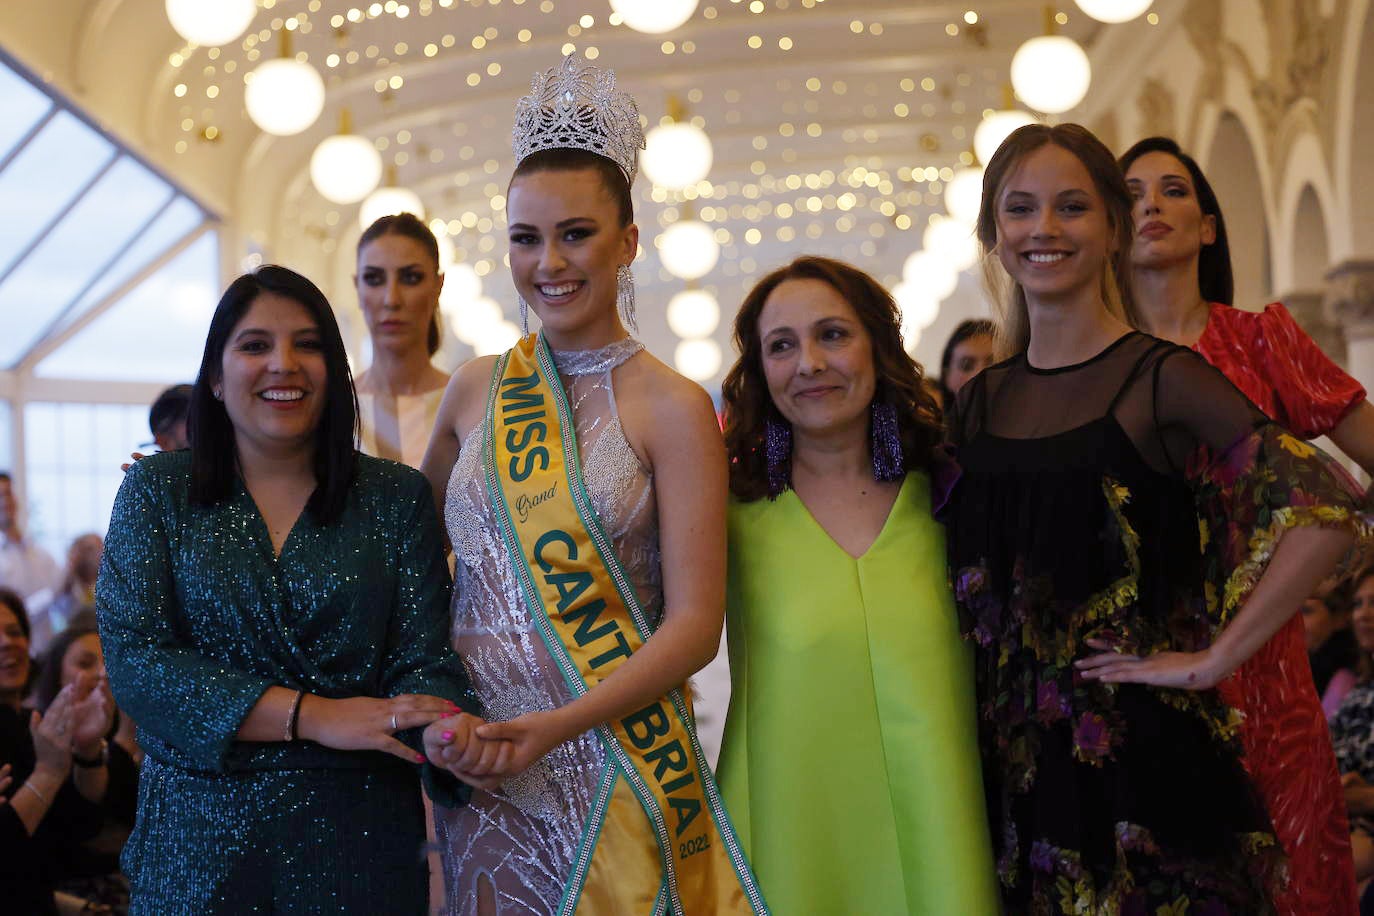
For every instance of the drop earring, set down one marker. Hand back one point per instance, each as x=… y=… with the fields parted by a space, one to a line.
x=886 y=443
x=777 y=437
x=625 y=297
x=524 y=315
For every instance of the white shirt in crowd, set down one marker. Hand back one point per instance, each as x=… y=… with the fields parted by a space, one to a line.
x=28 y=569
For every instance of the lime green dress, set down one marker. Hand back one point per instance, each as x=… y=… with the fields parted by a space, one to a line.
x=850 y=760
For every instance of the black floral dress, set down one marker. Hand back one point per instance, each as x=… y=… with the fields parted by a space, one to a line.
x=1134 y=498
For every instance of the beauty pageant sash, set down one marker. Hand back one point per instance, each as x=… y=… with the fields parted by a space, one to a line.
x=686 y=859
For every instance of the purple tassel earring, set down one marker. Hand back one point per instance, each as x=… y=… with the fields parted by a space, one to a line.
x=778 y=453
x=887 y=444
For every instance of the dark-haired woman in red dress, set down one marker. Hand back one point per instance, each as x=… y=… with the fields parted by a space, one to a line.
x=1183 y=289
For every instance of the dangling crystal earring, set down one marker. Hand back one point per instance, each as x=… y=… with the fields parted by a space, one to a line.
x=524 y=315
x=778 y=454
x=625 y=297
x=886 y=443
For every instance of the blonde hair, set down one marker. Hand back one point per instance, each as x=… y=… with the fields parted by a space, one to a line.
x=1009 y=299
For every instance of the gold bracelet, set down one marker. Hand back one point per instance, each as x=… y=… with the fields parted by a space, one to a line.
x=41 y=797
x=289 y=734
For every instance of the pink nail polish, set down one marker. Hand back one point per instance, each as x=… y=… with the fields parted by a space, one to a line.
x=448 y=736
x=419 y=758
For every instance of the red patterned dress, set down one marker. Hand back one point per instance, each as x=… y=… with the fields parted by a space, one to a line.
x=1287 y=746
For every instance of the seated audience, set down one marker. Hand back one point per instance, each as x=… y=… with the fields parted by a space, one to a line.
x=74 y=603
x=1331 y=648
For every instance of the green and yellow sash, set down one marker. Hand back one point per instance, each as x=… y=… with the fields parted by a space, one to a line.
x=686 y=859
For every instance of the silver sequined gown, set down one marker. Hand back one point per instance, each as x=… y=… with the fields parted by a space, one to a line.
x=524 y=838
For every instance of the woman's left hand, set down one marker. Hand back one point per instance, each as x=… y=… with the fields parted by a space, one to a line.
x=525 y=739
x=1184 y=670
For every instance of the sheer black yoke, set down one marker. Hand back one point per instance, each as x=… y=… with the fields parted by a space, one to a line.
x=1165 y=398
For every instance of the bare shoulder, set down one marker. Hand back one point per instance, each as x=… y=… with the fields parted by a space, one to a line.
x=646 y=383
x=466 y=396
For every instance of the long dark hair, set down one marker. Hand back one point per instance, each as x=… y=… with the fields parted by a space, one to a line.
x=49 y=682
x=409 y=226
x=1115 y=287
x=968 y=328
x=1214 y=278
x=575 y=160
x=214 y=458
x=900 y=379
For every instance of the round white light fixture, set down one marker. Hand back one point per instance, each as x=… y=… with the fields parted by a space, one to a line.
x=676 y=155
x=929 y=275
x=995 y=128
x=211 y=23
x=688 y=249
x=693 y=313
x=919 y=311
x=389 y=202
x=654 y=16
x=1114 y=10
x=471 y=318
x=345 y=168
x=447 y=252
x=461 y=284
x=952 y=241
x=497 y=338
x=284 y=96
x=964 y=195
x=699 y=360
x=1051 y=73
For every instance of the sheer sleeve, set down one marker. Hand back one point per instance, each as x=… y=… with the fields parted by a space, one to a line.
x=1251 y=480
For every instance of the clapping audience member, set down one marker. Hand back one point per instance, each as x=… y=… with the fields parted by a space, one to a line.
x=89 y=869
x=56 y=764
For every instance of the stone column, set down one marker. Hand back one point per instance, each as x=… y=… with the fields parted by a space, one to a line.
x=1307 y=307
x=1350 y=304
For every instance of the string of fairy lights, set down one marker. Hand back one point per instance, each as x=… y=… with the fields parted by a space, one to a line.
x=293 y=59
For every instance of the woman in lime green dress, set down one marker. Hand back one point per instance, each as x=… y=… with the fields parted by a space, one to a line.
x=850 y=762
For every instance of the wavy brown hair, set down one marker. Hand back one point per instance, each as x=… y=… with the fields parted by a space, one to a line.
x=1008 y=296
x=900 y=379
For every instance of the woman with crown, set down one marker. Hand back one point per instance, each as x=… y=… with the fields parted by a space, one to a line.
x=584 y=487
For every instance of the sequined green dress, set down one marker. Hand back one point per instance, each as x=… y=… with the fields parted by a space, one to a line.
x=198 y=618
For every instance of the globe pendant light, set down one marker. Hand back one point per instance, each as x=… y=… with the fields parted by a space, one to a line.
x=284 y=96
x=1113 y=11
x=1051 y=73
x=952 y=241
x=688 y=249
x=964 y=195
x=345 y=168
x=389 y=200
x=699 y=360
x=211 y=23
x=930 y=275
x=654 y=16
x=693 y=313
x=995 y=128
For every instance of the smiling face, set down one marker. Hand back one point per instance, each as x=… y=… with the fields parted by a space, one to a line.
x=1170 y=227
x=273 y=376
x=1053 y=234
x=14 y=656
x=817 y=358
x=566 y=243
x=83 y=656
x=398 y=288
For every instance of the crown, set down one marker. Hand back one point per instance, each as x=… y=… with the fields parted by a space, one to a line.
x=578 y=106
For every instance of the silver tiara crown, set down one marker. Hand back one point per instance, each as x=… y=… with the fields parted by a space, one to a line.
x=577 y=106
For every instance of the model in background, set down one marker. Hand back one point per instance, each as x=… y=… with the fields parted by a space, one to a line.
x=968 y=351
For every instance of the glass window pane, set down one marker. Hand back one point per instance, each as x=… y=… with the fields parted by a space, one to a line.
x=154 y=334
x=91 y=232
x=44 y=179
x=73 y=454
x=21 y=105
x=6 y=447
x=176 y=221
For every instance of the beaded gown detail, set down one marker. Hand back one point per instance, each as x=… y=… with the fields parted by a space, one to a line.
x=522 y=840
x=1287 y=745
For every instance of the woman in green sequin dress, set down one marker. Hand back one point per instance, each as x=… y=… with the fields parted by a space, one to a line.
x=274 y=611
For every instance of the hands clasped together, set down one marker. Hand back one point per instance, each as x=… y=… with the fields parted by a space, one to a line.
x=485 y=754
